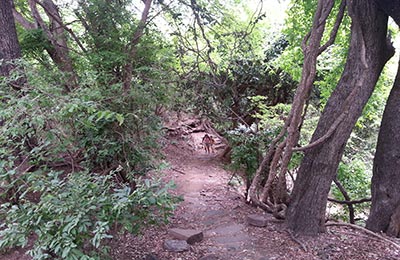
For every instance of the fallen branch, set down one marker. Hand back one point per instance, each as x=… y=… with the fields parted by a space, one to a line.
x=369 y=232
x=181 y=172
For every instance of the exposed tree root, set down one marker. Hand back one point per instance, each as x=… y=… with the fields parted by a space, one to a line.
x=296 y=240
x=369 y=232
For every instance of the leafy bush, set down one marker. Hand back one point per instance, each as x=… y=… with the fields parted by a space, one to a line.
x=245 y=152
x=77 y=209
x=355 y=179
x=248 y=145
x=250 y=142
x=72 y=165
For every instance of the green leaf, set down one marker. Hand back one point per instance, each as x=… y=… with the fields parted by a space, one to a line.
x=120 y=118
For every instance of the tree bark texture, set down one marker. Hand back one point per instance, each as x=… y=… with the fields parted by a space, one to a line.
x=391 y=8
x=368 y=53
x=9 y=46
x=386 y=175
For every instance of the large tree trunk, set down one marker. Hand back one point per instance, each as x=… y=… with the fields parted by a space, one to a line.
x=385 y=210
x=368 y=53
x=386 y=174
x=9 y=51
x=9 y=46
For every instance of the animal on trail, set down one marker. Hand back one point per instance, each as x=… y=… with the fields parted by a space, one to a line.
x=208 y=143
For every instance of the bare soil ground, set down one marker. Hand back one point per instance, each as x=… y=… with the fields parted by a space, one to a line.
x=220 y=211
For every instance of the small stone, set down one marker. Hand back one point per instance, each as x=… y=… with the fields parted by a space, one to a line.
x=257 y=220
x=191 y=236
x=151 y=257
x=209 y=257
x=176 y=245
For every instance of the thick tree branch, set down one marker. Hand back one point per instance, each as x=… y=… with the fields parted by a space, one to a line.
x=323 y=138
x=23 y=21
x=349 y=202
x=47 y=9
x=335 y=28
x=132 y=48
x=350 y=98
x=40 y=22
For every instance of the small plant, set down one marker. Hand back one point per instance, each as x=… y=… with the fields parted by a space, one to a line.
x=247 y=148
x=357 y=183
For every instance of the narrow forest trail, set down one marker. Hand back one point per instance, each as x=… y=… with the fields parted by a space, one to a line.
x=210 y=204
x=219 y=210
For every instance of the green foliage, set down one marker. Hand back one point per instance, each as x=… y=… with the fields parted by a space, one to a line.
x=246 y=150
x=62 y=158
x=79 y=208
x=269 y=116
x=109 y=28
x=33 y=42
x=249 y=143
x=356 y=180
x=222 y=57
x=330 y=63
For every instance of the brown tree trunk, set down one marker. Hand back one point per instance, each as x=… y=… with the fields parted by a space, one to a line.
x=368 y=53
x=9 y=51
x=385 y=210
x=133 y=46
x=9 y=46
x=394 y=225
x=386 y=175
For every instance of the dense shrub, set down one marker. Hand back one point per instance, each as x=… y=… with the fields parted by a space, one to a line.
x=73 y=165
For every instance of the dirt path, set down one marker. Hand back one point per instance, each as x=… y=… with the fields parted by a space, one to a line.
x=210 y=204
x=218 y=210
